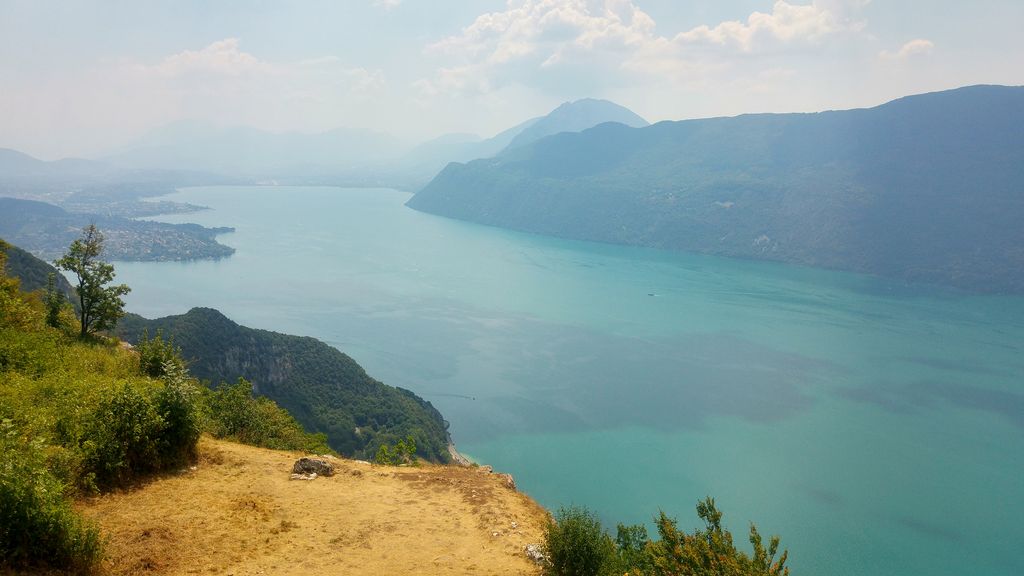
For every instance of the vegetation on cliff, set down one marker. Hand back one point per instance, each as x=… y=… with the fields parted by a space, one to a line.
x=34 y=273
x=326 y=390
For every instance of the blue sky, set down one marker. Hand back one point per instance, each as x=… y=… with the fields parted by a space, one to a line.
x=83 y=78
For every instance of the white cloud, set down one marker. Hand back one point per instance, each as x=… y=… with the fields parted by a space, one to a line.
x=786 y=23
x=221 y=57
x=616 y=40
x=916 y=47
x=387 y=4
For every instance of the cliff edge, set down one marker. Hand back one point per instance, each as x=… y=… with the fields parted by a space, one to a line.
x=238 y=512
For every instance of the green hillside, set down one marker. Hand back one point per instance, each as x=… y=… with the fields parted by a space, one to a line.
x=323 y=388
x=33 y=272
x=927 y=188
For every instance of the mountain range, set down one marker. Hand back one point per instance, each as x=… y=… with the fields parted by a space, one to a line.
x=927 y=188
x=419 y=165
x=193 y=153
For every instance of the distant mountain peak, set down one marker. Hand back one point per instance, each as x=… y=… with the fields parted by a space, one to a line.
x=576 y=116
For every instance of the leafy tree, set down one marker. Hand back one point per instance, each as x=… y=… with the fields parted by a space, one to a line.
x=632 y=544
x=54 y=301
x=100 y=305
x=711 y=552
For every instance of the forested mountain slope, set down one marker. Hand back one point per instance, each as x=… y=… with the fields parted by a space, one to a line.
x=33 y=273
x=928 y=188
x=323 y=388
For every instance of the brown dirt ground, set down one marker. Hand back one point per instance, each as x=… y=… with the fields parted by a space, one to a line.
x=239 y=513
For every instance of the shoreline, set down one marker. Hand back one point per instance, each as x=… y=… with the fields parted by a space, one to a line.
x=457 y=457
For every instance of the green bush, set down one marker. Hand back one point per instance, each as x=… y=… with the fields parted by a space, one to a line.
x=177 y=404
x=38 y=527
x=157 y=356
x=577 y=545
x=123 y=438
x=403 y=452
x=234 y=413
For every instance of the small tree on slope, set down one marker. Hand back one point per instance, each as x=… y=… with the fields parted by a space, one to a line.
x=100 y=305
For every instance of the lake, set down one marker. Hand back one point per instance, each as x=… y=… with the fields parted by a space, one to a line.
x=877 y=428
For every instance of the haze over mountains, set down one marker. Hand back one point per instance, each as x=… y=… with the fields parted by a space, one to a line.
x=184 y=151
x=190 y=153
x=420 y=164
x=927 y=188
x=249 y=152
x=18 y=166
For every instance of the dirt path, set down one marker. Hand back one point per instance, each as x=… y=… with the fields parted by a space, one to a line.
x=239 y=513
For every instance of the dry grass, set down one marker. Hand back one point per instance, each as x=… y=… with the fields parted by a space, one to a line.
x=239 y=513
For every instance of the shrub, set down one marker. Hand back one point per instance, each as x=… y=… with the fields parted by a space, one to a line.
x=135 y=430
x=31 y=353
x=38 y=526
x=157 y=356
x=178 y=406
x=123 y=437
x=403 y=452
x=577 y=545
x=235 y=413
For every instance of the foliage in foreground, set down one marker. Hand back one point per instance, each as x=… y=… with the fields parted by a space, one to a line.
x=577 y=545
x=37 y=524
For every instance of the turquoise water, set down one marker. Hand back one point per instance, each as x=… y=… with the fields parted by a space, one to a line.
x=878 y=428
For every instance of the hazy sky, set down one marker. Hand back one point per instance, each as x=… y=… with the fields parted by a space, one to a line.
x=80 y=78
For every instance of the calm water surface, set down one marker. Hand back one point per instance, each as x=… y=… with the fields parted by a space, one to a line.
x=879 y=429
